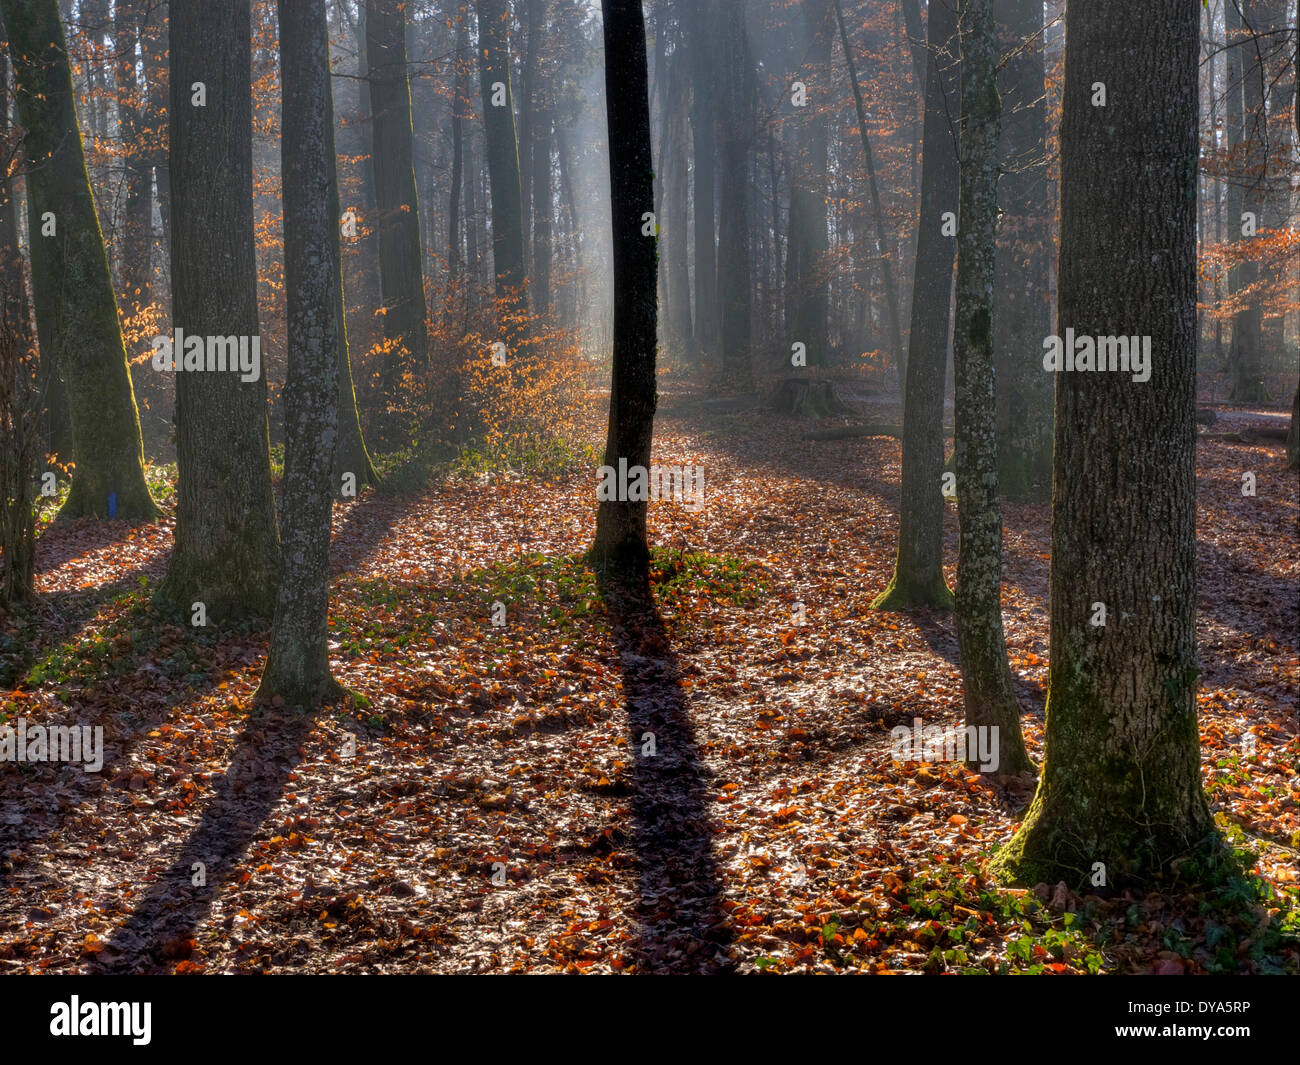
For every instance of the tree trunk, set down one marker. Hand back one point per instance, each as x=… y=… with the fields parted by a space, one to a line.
x=886 y=270
x=702 y=50
x=1120 y=792
x=226 y=549
x=806 y=273
x=401 y=267
x=502 y=151
x=135 y=239
x=987 y=684
x=542 y=196
x=735 y=94
x=1247 y=323
x=153 y=52
x=459 y=113
x=673 y=161
x=918 y=571
x=76 y=310
x=621 y=523
x=297 y=664
x=1024 y=407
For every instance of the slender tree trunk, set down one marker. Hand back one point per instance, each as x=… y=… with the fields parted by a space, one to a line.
x=734 y=286
x=153 y=51
x=226 y=552
x=885 y=245
x=702 y=52
x=987 y=684
x=297 y=664
x=676 y=211
x=1248 y=373
x=918 y=579
x=1024 y=414
x=535 y=21
x=401 y=266
x=542 y=196
x=806 y=273
x=135 y=239
x=1120 y=792
x=76 y=310
x=459 y=113
x=502 y=150
x=621 y=524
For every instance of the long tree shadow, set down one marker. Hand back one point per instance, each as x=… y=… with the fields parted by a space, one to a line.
x=159 y=929
x=682 y=925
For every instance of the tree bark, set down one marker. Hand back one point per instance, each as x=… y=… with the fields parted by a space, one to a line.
x=401 y=266
x=1120 y=791
x=918 y=579
x=76 y=310
x=703 y=15
x=135 y=239
x=226 y=551
x=297 y=664
x=1024 y=414
x=886 y=270
x=620 y=542
x=806 y=272
x=735 y=94
x=502 y=152
x=988 y=686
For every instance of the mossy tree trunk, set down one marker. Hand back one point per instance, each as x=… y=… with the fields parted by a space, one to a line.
x=502 y=146
x=1120 y=792
x=297 y=664
x=226 y=552
x=621 y=524
x=401 y=266
x=988 y=687
x=1024 y=258
x=76 y=311
x=918 y=570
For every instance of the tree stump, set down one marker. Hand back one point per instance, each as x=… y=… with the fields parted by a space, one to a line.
x=804 y=397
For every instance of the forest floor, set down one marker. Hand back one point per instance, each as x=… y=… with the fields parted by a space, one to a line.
x=700 y=782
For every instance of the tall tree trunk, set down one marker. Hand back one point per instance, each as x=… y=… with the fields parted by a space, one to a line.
x=226 y=551
x=1120 y=792
x=987 y=684
x=806 y=272
x=736 y=132
x=535 y=21
x=401 y=266
x=459 y=114
x=135 y=240
x=1293 y=434
x=502 y=150
x=542 y=187
x=675 y=210
x=1024 y=414
x=1247 y=339
x=76 y=311
x=621 y=523
x=153 y=52
x=885 y=245
x=918 y=579
x=704 y=119
x=297 y=663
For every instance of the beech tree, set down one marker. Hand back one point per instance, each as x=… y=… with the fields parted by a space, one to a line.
x=502 y=147
x=621 y=523
x=918 y=579
x=76 y=310
x=401 y=263
x=226 y=554
x=297 y=665
x=1120 y=794
x=987 y=684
